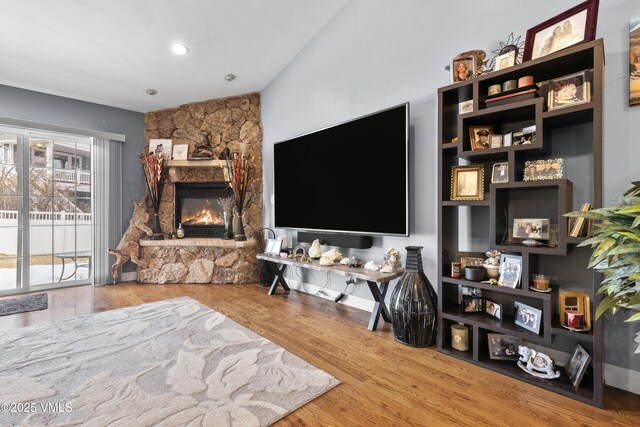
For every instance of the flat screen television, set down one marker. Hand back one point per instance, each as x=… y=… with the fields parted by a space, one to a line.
x=349 y=178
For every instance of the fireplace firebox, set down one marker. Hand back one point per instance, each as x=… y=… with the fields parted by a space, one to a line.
x=198 y=208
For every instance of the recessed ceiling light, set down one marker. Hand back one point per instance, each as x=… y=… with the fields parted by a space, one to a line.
x=230 y=77
x=180 y=49
x=152 y=92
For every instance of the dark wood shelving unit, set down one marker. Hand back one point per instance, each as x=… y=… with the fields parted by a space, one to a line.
x=582 y=179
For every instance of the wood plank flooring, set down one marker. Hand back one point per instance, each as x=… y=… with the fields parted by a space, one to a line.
x=384 y=383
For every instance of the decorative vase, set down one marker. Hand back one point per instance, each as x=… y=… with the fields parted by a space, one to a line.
x=157 y=230
x=414 y=304
x=228 y=224
x=239 y=234
x=180 y=231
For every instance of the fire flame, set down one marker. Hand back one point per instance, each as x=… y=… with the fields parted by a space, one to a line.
x=204 y=217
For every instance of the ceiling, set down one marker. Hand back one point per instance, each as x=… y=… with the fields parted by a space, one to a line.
x=111 y=51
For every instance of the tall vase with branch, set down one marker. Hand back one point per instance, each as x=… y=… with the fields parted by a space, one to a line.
x=227 y=204
x=240 y=177
x=155 y=172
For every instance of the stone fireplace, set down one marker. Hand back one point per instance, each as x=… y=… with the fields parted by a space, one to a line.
x=198 y=208
x=191 y=194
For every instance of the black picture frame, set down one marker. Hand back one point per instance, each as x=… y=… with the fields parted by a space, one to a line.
x=545 y=32
x=503 y=347
x=527 y=317
x=472 y=304
x=577 y=365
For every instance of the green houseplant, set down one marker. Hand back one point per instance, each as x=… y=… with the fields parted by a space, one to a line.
x=615 y=242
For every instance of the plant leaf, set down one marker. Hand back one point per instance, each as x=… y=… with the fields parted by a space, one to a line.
x=626 y=249
x=602 y=251
x=604 y=306
x=634 y=318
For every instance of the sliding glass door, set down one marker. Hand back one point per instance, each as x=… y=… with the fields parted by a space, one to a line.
x=48 y=209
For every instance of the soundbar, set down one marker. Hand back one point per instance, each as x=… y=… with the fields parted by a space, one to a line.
x=340 y=240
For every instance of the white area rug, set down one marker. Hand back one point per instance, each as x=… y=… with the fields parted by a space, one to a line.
x=169 y=363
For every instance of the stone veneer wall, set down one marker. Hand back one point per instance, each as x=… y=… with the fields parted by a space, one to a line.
x=227 y=122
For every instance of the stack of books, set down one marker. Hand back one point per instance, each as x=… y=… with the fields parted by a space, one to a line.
x=578 y=226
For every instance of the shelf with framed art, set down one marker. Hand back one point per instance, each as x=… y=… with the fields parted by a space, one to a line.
x=508 y=172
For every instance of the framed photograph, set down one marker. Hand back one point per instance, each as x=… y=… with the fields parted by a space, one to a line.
x=569 y=90
x=505 y=61
x=573 y=26
x=273 y=246
x=480 y=137
x=634 y=61
x=540 y=170
x=464 y=291
x=465 y=107
x=500 y=173
x=496 y=141
x=467 y=182
x=506 y=140
x=503 y=347
x=180 y=151
x=510 y=270
x=528 y=317
x=531 y=228
x=516 y=138
x=463 y=68
x=163 y=145
x=492 y=308
x=472 y=304
x=577 y=365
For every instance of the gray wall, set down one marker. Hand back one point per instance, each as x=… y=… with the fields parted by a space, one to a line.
x=39 y=107
x=375 y=54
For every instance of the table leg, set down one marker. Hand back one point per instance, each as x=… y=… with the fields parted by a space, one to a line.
x=379 y=307
x=279 y=279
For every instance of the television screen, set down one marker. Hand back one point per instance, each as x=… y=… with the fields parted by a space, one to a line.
x=349 y=178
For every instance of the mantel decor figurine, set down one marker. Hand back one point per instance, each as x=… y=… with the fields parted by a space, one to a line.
x=535 y=363
x=155 y=172
x=240 y=175
x=414 y=304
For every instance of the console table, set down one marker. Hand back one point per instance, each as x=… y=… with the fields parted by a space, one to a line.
x=378 y=282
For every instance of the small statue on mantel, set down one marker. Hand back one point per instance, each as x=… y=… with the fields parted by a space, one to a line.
x=203 y=150
x=225 y=154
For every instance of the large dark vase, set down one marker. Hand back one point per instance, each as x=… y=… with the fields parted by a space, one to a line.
x=239 y=234
x=414 y=304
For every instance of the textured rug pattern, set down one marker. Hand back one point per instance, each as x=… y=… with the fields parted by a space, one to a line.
x=22 y=304
x=170 y=363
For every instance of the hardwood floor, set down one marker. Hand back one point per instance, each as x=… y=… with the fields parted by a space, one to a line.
x=383 y=382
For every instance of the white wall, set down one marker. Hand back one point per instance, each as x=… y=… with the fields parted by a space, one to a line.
x=378 y=53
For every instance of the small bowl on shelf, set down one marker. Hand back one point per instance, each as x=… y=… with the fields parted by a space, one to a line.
x=475 y=273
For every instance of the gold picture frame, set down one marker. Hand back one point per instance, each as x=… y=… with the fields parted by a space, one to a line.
x=540 y=170
x=467 y=182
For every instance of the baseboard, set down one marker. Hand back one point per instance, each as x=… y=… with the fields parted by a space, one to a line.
x=130 y=276
x=622 y=378
x=348 y=300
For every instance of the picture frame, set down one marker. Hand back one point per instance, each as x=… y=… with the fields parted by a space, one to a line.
x=492 y=308
x=465 y=107
x=527 y=317
x=500 y=173
x=541 y=170
x=634 y=61
x=506 y=139
x=273 y=246
x=164 y=144
x=463 y=68
x=576 y=301
x=496 y=141
x=467 y=182
x=505 y=61
x=510 y=270
x=472 y=304
x=464 y=291
x=480 y=137
x=180 y=151
x=531 y=228
x=571 y=27
x=569 y=90
x=577 y=365
x=503 y=347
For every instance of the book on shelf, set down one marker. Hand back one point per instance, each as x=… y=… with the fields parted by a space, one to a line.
x=577 y=225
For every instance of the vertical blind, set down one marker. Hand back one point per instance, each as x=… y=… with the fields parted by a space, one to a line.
x=107 y=226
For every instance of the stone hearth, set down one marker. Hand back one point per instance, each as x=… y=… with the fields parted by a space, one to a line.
x=198 y=261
